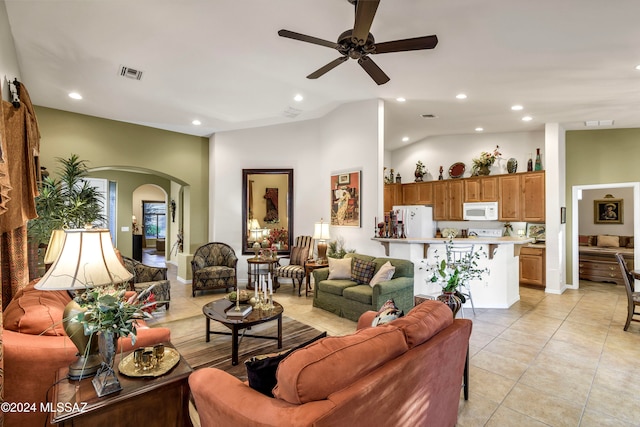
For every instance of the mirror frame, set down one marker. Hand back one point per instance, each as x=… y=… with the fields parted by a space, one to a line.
x=245 y=188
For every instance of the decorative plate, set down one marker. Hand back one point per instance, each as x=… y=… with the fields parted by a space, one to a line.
x=457 y=170
x=170 y=359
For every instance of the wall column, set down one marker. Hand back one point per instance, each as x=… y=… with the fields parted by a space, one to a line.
x=555 y=198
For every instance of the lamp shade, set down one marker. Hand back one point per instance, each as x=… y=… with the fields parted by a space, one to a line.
x=321 y=231
x=87 y=259
x=254 y=224
x=54 y=247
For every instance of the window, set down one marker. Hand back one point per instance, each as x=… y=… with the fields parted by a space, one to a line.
x=155 y=219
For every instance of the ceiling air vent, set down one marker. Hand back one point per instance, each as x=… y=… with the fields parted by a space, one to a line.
x=130 y=73
x=291 y=112
x=593 y=123
x=428 y=116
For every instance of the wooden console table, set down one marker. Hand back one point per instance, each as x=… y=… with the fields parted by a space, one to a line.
x=149 y=402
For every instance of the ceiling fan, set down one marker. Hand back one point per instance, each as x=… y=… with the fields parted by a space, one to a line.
x=358 y=43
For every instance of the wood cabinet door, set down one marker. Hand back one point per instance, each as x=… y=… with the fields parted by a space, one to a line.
x=456 y=192
x=392 y=196
x=532 y=270
x=472 y=190
x=410 y=195
x=509 y=192
x=425 y=193
x=533 y=203
x=440 y=205
x=489 y=189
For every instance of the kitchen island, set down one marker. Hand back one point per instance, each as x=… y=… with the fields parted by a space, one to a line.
x=500 y=288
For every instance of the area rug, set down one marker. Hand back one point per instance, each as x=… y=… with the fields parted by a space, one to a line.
x=188 y=336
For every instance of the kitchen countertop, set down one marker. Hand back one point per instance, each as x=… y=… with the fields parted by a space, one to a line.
x=473 y=239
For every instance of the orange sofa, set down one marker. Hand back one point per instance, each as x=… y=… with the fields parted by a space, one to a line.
x=408 y=372
x=35 y=347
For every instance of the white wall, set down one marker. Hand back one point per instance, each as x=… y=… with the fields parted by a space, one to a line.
x=587 y=226
x=446 y=150
x=9 y=68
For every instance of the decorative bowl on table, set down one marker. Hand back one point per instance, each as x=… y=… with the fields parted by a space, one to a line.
x=244 y=296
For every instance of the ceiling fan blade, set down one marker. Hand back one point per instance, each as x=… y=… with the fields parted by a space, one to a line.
x=308 y=39
x=330 y=66
x=365 y=12
x=418 y=43
x=373 y=70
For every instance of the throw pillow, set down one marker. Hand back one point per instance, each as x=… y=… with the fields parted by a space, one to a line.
x=387 y=313
x=385 y=273
x=608 y=241
x=583 y=240
x=339 y=268
x=362 y=271
x=261 y=370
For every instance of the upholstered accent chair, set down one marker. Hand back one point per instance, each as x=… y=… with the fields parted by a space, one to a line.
x=214 y=266
x=301 y=251
x=145 y=276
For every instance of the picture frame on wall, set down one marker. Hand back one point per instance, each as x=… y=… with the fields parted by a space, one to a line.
x=537 y=231
x=346 y=190
x=608 y=211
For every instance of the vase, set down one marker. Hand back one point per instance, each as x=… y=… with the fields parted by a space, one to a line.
x=106 y=382
x=512 y=165
x=107 y=345
x=419 y=175
x=452 y=300
x=484 y=170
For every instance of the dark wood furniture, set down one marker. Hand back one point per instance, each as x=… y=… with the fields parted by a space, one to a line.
x=216 y=310
x=600 y=264
x=149 y=402
x=309 y=266
x=254 y=270
x=633 y=298
x=532 y=265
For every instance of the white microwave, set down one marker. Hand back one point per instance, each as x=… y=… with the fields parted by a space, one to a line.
x=480 y=211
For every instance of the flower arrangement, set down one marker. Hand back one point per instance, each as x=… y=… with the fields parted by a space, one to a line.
x=107 y=309
x=279 y=235
x=420 y=171
x=450 y=274
x=485 y=160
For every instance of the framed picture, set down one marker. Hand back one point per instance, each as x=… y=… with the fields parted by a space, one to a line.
x=345 y=178
x=346 y=198
x=608 y=211
x=537 y=231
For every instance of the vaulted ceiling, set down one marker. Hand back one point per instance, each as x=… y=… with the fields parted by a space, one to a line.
x=223 y=63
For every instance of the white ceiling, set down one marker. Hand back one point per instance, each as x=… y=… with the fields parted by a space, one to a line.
x=222 y=62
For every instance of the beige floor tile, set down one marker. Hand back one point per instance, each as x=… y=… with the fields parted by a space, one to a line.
x=614 y=402
x=592 y=418
x=475 y=412
x=521 y=352
x=480 y=378
x=505 y=417
x=527 y=338
x=547 y=409
x=499 y=364
x=561 y=378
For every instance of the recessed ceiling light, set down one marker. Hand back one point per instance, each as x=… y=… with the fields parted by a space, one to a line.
x=479 y=129
x=527 y=118
x=461 y=96
x=400 y=99
x=517 y=107
x=405 y=138
x=637 y=67
x=196 y=122
x=75 y=95
x=298 y=98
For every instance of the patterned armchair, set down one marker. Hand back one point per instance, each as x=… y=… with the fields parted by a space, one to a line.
x=214 y=267
x=301 y=251
x=145 y=276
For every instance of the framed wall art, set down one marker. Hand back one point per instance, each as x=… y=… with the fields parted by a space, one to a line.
x=608 y=211
x=346 y=198
x=537 y=231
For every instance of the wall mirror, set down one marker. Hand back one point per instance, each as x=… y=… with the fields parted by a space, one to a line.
x=267 y=210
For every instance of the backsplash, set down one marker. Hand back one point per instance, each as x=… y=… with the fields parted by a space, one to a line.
x=462 y=225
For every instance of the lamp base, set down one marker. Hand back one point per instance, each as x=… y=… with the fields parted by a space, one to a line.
x=322 y=252
x=85 y=367
x=89 y=359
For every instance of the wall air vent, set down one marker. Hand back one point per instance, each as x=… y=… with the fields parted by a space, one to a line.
x=428 y=116
x=130 y=73
x=291 y=112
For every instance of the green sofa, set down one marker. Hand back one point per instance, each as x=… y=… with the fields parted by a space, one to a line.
x=348 y=299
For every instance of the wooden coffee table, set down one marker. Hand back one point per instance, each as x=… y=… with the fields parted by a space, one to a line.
x=216 y=310
x=149 y=401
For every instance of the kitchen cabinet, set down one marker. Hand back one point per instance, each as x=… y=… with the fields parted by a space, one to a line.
x=392 y=196
x=509 y=195
x=532 y=265
x=417 y=193
x=521 y=197
x=447 y=200
x=481 y=189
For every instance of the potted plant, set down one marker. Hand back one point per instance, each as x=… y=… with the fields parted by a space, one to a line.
x=66 y=202
x=482 y=164
x=420 y=171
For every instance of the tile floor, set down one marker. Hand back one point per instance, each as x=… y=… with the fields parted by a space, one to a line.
x=549 y=360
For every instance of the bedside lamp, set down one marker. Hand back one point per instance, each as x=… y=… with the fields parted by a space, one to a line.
x=321 y=234
x=87 y=259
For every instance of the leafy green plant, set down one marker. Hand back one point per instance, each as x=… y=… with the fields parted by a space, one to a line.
x=335 y=248
x=450 y=274
x=66 y=202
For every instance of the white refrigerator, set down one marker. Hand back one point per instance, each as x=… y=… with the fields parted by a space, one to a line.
x=417 y=220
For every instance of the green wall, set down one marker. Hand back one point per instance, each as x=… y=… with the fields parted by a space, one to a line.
x=109 y=144
x=599 y=157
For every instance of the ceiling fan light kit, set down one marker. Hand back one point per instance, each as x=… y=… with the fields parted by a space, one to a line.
x=358 y=43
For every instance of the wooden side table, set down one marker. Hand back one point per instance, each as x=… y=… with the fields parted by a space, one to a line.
x=253 y=270
x=309 y=266
x=148 y=402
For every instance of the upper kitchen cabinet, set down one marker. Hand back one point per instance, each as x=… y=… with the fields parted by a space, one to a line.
x=392 y=196
x=481 y=189
x=417 y=193
x=521 y=197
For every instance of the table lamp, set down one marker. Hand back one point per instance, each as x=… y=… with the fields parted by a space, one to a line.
x=321 y=234
x=87 y=259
